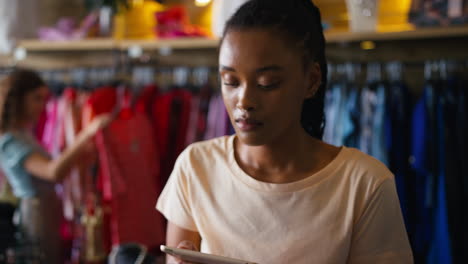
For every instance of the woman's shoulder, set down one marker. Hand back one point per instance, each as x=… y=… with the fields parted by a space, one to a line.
x=207 y=151
x=218 y=145
x=10 y=140
x=361 y=167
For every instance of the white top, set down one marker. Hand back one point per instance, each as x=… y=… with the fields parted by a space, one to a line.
x=346 y=213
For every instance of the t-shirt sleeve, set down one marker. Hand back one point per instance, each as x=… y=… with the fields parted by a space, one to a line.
x=174 y=202
x=379 y=236
x=14 y=152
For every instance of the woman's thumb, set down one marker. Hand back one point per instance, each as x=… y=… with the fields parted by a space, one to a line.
x=187 y=244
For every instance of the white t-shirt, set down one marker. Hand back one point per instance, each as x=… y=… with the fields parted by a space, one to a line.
x=346 y=213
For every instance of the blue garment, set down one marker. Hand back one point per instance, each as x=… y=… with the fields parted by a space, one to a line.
x=462 y=131
x=379 y=148
x=440 y=251
x=351 y=119
x=420 y=140
x=14 y=150
x=373 y=139
x=397 y=128
x=342 y=115
x=368 y=105
x=454 y=178
x=333 y=113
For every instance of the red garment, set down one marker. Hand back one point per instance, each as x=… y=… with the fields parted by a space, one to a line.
x=40 y=126
x=146 y=99
x=129 y=171
x=172 y=113
x=102 y=100
x=130 y=175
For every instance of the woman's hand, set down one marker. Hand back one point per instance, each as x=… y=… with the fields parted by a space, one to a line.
x=186 y=244
x=97 y=124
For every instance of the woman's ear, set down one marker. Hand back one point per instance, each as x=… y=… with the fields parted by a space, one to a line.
x=314 y=75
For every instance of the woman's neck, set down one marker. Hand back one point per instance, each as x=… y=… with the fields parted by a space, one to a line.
x=282 y=160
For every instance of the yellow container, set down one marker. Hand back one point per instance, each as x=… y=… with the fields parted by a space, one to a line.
x=392 y=14
x=137 y=22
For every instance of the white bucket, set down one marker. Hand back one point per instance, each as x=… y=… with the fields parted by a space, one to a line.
x=363 y=15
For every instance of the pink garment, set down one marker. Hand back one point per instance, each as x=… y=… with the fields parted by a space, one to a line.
x=73 y=187
x=53 y=138
x=50 y=125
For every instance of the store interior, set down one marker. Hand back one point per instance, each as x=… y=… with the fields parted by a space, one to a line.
x=390 y=64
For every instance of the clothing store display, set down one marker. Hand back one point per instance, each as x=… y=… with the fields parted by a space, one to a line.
x=420 y=230
x=422 y=144
x=131 y=174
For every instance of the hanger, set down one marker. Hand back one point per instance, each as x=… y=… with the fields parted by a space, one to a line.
x=395 y=71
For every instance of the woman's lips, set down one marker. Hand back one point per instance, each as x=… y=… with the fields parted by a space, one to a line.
x=247 y=125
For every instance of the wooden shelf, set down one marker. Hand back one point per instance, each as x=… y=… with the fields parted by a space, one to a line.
x=419 y=44
x=183 y=43
x=203 y=43
x=422 y=34
x=78 y=45
x=111 y=44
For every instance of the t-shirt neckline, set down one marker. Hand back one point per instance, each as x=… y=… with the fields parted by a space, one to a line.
x=253 y=183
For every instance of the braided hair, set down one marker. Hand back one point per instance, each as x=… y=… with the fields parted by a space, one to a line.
x=300 y=22
x=13 y=90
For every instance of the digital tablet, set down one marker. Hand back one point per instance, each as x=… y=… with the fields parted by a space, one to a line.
x=201 y=258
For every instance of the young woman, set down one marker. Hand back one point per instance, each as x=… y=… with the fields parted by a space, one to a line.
x=274 y=192
x=28 y=168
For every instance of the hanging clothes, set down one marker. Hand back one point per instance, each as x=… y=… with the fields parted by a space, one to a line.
x=129 y=172
x=217 y=119
x=172 y=115
x=127 y=157
x=351 y=118
x=397 y=134
x=50 y=139
x=440 y=250
x=420 y=139
x=372 y=139
x=462 y=146
x=335 y=113
x=72 y=185
x=455 y=126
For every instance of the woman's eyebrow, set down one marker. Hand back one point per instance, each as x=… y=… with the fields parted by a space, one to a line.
x=226 y=68
x=269 y=68
x=259 y=70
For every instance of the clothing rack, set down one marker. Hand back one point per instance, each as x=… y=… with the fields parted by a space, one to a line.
x=139 y=76
x=419 y=133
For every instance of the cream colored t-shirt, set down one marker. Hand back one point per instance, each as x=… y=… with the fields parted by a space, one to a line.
x=346 y=213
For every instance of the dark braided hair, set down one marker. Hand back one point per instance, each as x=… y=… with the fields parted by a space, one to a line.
x=13 y=90
x=301 y=22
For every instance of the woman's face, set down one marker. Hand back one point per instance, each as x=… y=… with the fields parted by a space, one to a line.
x=34 y=104
x=264 y=85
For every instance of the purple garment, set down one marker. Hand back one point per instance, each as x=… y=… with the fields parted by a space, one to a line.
x=66 y=29
x=193 y=120
x=217 y=119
